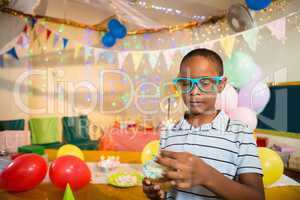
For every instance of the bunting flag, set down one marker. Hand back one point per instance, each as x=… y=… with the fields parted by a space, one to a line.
x=87 y=52
x=97 y=53
x=108 y=56
x=227 y=44
x=250 y=37
x=12 y=52
x=34 y=36
x=55 y=39
x=77 y=50
x=48 y=33
x=122 y=57
x=33 y=22
x=153 y=57
x=25 y=41
x=1 y=61
x=20 y=40
x=65 y=42
x=169 y=57
x=40 y=29
x=278 y=28
x=136 y=59
x=25 y=28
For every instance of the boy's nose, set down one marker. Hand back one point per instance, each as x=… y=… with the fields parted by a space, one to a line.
x=196 y=90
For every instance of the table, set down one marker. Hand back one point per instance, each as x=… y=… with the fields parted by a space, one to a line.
x=47 y=191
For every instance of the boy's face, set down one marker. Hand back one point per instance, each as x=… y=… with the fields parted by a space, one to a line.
x=197 y=101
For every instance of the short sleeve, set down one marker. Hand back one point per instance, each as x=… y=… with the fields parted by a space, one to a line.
x=248 y=160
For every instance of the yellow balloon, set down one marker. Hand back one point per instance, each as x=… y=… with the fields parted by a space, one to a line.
x=150 y=150
x=70 y=149
x=272 y=165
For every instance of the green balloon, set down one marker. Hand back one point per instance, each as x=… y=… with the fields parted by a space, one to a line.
x=239 y=68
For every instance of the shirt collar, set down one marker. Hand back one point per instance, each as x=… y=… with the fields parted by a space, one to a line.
x=219 y=123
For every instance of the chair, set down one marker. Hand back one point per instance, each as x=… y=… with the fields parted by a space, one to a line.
x=17 y=124
x=75 y=131
x=44 y=132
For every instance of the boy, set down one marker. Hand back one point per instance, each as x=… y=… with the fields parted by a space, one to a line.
x=207 y=155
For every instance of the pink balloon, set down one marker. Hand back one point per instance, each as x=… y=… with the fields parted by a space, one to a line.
x=227 y=100
x=244 y=115
x=254 y=96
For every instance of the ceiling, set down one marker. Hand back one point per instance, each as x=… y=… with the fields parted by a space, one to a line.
x=147 y=13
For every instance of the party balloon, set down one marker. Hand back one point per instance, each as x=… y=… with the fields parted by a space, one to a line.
x=272 y=165
x=70 y=149
x=150 y=151
x=108 y=40
x=258 y=4
x=227 y=100
x=254 y=96
x=69 y=169
x=239 y=69
x=244 y=115
x=24 y=173
x=113 y=23
x=119 y=32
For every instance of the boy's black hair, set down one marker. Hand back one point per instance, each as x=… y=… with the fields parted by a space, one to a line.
x=209 y=54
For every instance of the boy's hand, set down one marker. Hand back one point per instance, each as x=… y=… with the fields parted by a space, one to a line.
x=153 y=190
x=184 y=169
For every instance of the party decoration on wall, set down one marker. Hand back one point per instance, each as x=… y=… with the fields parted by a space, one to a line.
x=116 y=31
x=23 y=173
x=244 y=115
x=278 y=29
x=69 y=169
x=272 y=165
x=238 y=69
x=228 y=44
x=251 y=38
x=258 y=4
x=150 y=151
x=70 y=149
x=68 y=195
x=12 y=52
x=1 y=61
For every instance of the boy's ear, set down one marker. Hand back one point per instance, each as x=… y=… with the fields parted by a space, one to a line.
x=222 y=84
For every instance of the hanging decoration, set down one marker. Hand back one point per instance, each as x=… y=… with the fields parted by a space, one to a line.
x=116 y=31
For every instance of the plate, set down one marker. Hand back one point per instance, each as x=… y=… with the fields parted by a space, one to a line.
x=125 y=179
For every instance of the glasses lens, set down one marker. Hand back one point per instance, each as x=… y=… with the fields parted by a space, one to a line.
x=184 y=85
x=208 y=84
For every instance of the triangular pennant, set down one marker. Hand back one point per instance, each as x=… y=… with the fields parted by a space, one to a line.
x=1 y=61
x=87 y=52
x=152 y=58
x=122 y=57
x=136 y=59
x=278 y=28
x=25 y=41
x=48 y=33
x=68 y=195
x=20 y=40
x=169 y=57
x=227 y=44
x=108 y=56
x=96 y=55
x=34 y=35
x=55 y=39
x=25 y=28
x=77 y=50
x=33 y=22
x=40 y=29
x=250 y=38
x=65 y=42
x=12 y=52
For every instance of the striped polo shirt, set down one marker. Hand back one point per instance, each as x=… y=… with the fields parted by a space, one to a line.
x=225 y=144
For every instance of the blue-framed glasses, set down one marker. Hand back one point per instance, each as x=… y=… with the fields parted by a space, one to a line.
x=206 y=84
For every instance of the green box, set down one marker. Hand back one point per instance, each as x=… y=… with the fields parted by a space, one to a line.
x=32 y=149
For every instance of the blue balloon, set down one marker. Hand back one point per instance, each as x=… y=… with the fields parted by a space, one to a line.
x=108 y=40
x=119 y=32
x=113 y=23
x=258 y=4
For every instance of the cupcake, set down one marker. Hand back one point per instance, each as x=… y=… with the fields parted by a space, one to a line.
x=154 y=172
